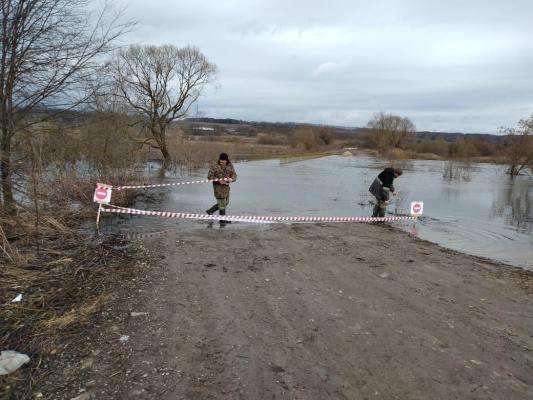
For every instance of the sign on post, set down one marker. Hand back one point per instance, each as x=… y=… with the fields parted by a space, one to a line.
x=417 y=208
x=102 y=193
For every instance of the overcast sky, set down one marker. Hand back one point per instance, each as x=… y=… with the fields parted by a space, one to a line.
x=449 y=65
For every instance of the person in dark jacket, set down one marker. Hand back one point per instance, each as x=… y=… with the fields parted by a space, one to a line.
x=382 y=187
x=222 y=169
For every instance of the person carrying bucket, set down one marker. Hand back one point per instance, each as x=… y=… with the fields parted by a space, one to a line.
x=381 y=189
x=223 y=169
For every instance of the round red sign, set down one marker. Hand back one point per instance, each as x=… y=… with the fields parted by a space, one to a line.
x=417 y=208
x=101 y=193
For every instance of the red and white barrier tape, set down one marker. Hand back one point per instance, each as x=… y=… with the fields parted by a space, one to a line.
x=168 y=214
x=249 y=218
x=172 y=184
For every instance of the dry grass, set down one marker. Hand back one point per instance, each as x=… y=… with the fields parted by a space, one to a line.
x=77 y=315
x=69 y=189
x=63 y=275
x=8 y=251
x=194 y=154
x=64 y=285
x=296 y=157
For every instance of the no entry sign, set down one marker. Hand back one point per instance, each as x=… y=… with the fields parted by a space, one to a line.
x=102 y=193
x=417 y=208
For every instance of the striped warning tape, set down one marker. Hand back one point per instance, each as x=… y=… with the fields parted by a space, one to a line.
x=168 y=214
x=172 y=184
x=249 y=218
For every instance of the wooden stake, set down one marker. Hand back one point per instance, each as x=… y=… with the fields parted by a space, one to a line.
x=98 y=220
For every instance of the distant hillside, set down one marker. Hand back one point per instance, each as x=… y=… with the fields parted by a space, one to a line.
x=228 y=121
x=452 y=137
x=250 y=128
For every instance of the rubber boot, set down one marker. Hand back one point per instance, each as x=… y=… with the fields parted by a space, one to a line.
x=379 y=210
x=212 y=210
x=223 y=222
x=375 y=212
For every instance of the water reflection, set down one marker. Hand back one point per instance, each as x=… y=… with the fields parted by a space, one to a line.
x=514 y=202
x=414 y=230
x=400 y=203
x=451 y=192
x=457 y=171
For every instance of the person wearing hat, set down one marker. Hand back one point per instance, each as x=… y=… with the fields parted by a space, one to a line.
x=223 y=169
x=381 y=189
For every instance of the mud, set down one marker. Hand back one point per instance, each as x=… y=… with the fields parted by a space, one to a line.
x=315 y=312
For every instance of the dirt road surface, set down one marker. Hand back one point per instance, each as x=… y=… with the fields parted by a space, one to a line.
x=316 y=312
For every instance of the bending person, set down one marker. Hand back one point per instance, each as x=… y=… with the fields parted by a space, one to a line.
x=223 y=169
x=381 y=189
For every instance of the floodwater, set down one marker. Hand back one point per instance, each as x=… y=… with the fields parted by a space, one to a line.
x=483 y=213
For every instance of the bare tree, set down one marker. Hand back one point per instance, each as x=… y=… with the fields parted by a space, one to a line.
x=391 y=131
x=49 y=50
x=159 y=84
x=518 y=146
x=325 y=134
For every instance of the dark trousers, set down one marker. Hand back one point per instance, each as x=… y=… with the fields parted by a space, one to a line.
x=379 y=209
x=220 y=206
x=382 y=195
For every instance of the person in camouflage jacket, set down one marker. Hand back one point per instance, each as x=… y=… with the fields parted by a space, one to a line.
x=222 y=169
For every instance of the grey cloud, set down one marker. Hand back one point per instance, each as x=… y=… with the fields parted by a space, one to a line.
x=448 y=65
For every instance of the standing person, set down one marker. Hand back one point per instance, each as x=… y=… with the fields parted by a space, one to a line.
x=382 y=187
x=222 y=169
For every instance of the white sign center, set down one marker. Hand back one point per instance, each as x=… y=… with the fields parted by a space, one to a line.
x=417 y=208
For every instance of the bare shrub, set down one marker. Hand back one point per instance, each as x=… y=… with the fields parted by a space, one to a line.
x=305 y=137
x=397 y=154
x=518 y=146
x=325 y=135
x=461 y=149
x=270 y=139
x=439 y=147
x=310 y=137
x=390 y=131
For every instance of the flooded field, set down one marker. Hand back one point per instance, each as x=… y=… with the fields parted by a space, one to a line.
x=478 y=210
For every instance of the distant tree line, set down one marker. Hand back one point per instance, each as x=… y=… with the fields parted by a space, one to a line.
x=228 y=121
x=392 y=135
